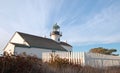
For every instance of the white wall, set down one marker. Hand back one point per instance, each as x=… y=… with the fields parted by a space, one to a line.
x=9 y=48
x=18 y=39
x=101 y=60
x=31 y=51
x=55 y=37
x=68 y=48
x=15 y=39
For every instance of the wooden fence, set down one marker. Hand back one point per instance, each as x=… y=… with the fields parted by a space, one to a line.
x=91 y=59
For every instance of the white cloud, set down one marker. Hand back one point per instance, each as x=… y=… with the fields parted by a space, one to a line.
x=27 y=16
x=103 y=27
x=37 y=16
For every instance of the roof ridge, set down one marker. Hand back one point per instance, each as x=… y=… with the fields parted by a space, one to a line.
x=30 y=34
x=65 y=43
x=37 y=36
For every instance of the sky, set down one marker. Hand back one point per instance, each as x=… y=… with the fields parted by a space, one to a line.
x=85 y=24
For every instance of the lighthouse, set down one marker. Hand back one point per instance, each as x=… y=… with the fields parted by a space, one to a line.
x=56 y=34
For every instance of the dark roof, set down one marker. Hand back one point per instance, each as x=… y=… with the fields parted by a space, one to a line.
x=66 y=44
x=19 y=45
x=41 y=42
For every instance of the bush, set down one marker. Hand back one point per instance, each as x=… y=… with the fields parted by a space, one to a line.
x=19 y=64
x=58 y=62
x=28 y=64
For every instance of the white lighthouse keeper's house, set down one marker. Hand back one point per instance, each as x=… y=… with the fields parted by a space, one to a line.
x=36 y=45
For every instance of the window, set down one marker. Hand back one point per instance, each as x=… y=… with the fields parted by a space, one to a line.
x=58 y=39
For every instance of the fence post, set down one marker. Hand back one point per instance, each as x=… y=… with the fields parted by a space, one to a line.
x=84 y=59
x=119 y=62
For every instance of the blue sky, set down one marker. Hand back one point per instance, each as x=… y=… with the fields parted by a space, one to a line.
x=85 y=24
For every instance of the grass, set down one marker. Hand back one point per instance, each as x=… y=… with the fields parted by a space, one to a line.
x=28 y=64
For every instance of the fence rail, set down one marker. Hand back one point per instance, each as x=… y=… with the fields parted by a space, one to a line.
x=92 y=59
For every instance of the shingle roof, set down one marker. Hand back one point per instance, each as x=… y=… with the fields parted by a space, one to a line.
x=41 y=42
x=19 y=45
x=64 y=43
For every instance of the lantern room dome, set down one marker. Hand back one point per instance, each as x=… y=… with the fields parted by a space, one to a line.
x=55 y=26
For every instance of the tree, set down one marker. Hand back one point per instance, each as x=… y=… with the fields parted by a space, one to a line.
x=102 y=50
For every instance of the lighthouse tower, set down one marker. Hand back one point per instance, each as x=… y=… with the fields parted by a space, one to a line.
x=56 y=34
